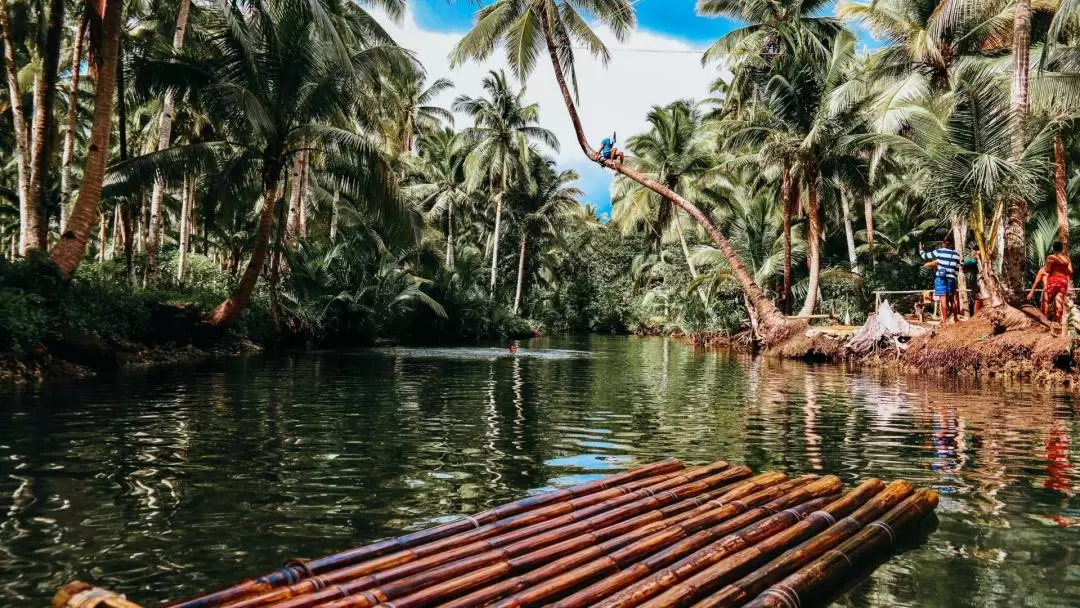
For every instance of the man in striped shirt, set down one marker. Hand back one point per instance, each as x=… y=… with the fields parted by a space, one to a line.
x=947 y=261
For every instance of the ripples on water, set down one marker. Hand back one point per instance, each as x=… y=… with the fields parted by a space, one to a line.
x=170 y=483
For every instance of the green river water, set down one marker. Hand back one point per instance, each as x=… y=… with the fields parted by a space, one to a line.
x=168 y=483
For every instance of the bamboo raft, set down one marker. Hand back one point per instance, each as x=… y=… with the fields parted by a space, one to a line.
x=658 y=536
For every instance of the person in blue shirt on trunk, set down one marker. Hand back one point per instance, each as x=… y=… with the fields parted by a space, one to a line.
x=608 y=151
x=947 y=261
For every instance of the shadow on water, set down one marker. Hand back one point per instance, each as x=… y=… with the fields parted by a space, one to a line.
x=166 y=483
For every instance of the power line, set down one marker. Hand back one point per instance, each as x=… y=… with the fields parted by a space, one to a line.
x=660 y=51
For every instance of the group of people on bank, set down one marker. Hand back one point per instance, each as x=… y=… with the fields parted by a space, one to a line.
x=1052 y=281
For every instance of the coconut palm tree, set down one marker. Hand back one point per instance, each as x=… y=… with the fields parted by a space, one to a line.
x=439 y=183
x=544 y=207
x=504 y=129
x=277 y=85
x=556 y=26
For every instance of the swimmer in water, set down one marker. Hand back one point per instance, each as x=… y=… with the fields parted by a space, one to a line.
x=513 y=349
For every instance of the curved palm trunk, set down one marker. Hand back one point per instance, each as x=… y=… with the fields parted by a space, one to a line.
x=44 y=98
x=157 y=197
x=788 y=195
x=1059 y=192
x=521 y=273
x=27 y=228
x=813 y=239
x=849 y=233
x=68 y=253
x=228 y=310
x=1014 y=263
x=775 y=327
x=72 y=121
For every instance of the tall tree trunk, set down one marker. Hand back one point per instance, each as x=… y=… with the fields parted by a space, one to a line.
x=157 y=197
x=69 y=251
x=868 y=212
x=335 y=214
x=813 y=241
x=1059 y=192
x=305 y=195
x=959 y=232
x=28 y=229
x=228 y=310
x=775 y=327
x=686 y=254
x=849 y=232
x=1014 y=264
x=450 y=235
x=103 y=234
x=44 y=100
x=521 y=273
x=292 y=224
x=186 y=208
x=495 y=237
x=118 y=231
x=787 y=194
x=72 y=122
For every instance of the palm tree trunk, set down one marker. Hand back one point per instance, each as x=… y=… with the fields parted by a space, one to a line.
x=813 y=241
x=186 y=208
x=521 y=273
x=686 y=254
x=44 y=100
x=27 y=228
x=1059 y=192
x=853 y=258
x=103 y=234
x=72 y=121
x=450 y=235
x=1015 y=260
x=775 y=327
x=118 y=231
x=157 y=197
x=334 y=215
x=787 y=193
x=868 y=212
x=959 y=231
x=231 y=308
x=304 y=198
x=495 y=237
x=292 y=224
x=69 y=251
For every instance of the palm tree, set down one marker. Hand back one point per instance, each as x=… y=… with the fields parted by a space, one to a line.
x=501 y=137
x=544 y=206
x=556 y=26
x=153 y=243
x=75 y=234
x=439 y=182
x=410 y=104
x=276 y=86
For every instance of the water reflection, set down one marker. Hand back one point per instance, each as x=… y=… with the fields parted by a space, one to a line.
x=166 y=483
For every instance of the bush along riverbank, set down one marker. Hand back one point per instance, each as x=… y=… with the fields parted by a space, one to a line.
x=97 y=322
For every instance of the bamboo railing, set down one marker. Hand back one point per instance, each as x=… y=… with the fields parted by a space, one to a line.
x=657 y=536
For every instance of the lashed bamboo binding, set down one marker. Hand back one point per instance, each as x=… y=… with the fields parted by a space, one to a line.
x=657 y=536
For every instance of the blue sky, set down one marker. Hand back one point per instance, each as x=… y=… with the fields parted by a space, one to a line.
x=671 y=27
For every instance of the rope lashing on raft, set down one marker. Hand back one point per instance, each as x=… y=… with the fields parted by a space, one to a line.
x=787 y=596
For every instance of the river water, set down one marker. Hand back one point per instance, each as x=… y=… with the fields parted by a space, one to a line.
x=168 y=483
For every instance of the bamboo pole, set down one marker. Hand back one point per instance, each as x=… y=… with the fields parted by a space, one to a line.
x=752 y=585
x=711 y=567
x=292 y=574
x=492 y=583
x=830 y=567
x=360 y=577
x=624 y=558
x=701 y=550
x=78 y=594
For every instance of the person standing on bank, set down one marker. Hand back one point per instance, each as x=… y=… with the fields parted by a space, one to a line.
x=945 y=285
x=1056 y=274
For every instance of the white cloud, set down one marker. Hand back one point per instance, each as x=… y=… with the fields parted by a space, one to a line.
x=613 y=98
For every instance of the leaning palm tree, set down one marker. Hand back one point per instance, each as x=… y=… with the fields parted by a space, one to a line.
x=276 y=85
x=545 y=207
x=557 y=26
x=504 y=129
